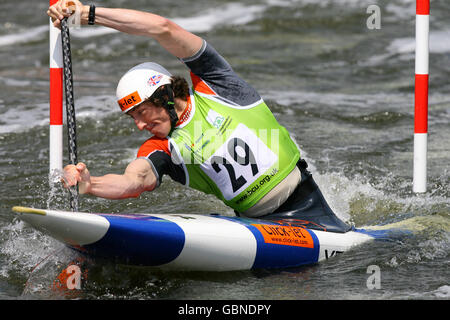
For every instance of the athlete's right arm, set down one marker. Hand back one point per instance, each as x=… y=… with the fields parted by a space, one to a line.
x=137 y=178
x=178 y=41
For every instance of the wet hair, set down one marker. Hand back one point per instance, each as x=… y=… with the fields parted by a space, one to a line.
x=180 y=88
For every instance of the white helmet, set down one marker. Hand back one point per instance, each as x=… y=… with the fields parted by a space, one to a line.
x=139 y=83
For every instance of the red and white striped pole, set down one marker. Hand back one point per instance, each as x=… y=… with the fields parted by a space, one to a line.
x=56 y=99
x=421 y=96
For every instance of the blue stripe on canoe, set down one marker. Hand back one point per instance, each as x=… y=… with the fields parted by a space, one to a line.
x=269 y=255
x=140 y=240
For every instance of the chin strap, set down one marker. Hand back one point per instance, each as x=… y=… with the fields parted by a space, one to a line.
x=170 y=106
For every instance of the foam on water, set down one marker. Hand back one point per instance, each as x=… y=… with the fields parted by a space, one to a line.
x=441 y=292
x=25 y=117
x=355 y=104
x=28 y=35
x=364 y=204
x=24 y=248
x=405 y=48
x=228 y=14
x=32 y=255
x=438 y=42
x=97 y=31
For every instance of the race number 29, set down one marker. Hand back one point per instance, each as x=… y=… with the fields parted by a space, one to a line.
x=247 y=159
x=239 y=162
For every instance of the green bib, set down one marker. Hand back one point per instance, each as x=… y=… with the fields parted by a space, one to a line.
x=238 y=154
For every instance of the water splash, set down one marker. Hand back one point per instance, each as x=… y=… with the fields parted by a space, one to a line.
x=58 y=196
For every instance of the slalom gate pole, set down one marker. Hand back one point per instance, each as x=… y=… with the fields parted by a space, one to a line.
x=421 y=96
x=70 y=105
x=56 y=101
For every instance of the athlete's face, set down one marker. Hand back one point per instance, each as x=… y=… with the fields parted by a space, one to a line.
x=149 y=117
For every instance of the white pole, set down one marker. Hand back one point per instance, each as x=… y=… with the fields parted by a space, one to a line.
x=56 y=101
x=421 y=96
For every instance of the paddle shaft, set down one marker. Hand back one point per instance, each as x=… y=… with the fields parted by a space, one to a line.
x=70 y=105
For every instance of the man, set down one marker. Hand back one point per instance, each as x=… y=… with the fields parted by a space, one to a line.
x=218 y=137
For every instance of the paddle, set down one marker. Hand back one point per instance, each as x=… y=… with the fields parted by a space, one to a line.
x=70 y=106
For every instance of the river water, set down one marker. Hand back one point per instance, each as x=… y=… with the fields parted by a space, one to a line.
x=344 y=91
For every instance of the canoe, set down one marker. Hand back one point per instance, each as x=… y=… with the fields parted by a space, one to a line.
x=194 y=242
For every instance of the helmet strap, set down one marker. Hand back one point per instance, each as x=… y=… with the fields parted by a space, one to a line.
x=170 y=106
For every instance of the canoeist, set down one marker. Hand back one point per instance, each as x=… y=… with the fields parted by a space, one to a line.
x=217 y=136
